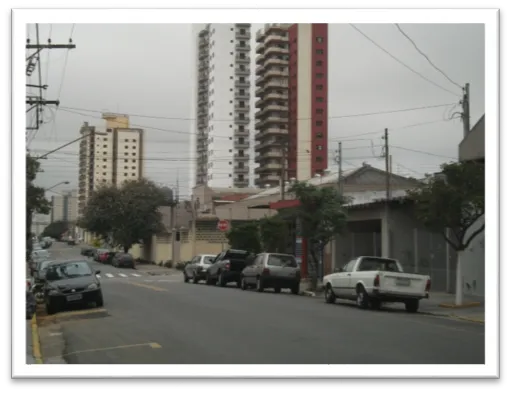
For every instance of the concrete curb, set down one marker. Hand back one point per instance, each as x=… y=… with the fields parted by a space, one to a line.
x=453 y=315
x=36 y=345
x=469 y=319
x=466 y=305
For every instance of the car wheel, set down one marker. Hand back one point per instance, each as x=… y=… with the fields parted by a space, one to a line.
x=412 y=305
x=329 y=295
x=185 y=277
x=208 y=279
x=276 y=289
x=295 y=290
x=221 y=281
x=50 y=308
x=99 y=300
x=243 y=284
x=362 y=298
x=195 y=278
x=375 y=304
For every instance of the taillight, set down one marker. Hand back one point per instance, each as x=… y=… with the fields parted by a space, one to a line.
x=428 y=285
x=266 y=271
x=227 y=266
x=376 y=281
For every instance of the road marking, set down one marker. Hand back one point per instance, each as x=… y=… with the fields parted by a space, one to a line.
x=122 y=275
x=36 y=344
x=98 y=276
x=109 y=275
x=158 y=289
x=136 y=275
x=55 y=334
x=150 y=345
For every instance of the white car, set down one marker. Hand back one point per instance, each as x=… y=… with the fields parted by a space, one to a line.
x=371 y=281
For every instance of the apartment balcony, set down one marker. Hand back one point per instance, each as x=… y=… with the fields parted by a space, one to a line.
x=271 y=107
x=275 y=83
x=260 y=59
x=245 y=84
x=269 y=178
x=259 y=70
x=274 y=61
x=260 y=35
x=260 y=48
x=202 y=111
x=269 y=171
x=245 y=95
x=203 y=88
x=202 y=122
x=243 y=35
x=269 y=155
x=203 y=55
x=268 y=143
x=245 y=48
x=241 y=145
x=241 y=108
x=275 y=50
x=240 y=183
x=203 y=65
x=242 y=60
x=239 y=157
x=203 y=99
x=202 y=136
x=276 y=38
x=260 y=92
x=271 y=131
x=265 y=122
x=241 y=171
x=240 y=120
x=202 y=147
x=260 y=81
x=239 y=71
x=243 y=134
x=276 y=73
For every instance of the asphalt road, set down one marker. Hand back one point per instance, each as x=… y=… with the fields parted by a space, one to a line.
x=160 y=319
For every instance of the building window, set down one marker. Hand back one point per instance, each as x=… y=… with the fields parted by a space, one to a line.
x=134 y=160
x=319 y=135
x=133 y=167
x=109 y=130
x=319 y=63
x=104 y=173
x=319 y=159
x=126 y=174
x=105 y=139
x=125 y=167
x=319 y=147
x=125 y=154
x=319 y=39
x=104 y=146
x=319 y=51
x=104 y=166
x=125 y=160
x=319 y=87
x=126 y=147
x=319 y=75
x=319 y=99
x=319 y=122
x=104 y=152
x=319 y=111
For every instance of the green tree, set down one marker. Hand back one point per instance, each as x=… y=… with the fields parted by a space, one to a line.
x=453 y=200
x=36 y=201
x=245 y=236
x=274 y=232
x=125 y=216
x=55 y=229
x=321 y=216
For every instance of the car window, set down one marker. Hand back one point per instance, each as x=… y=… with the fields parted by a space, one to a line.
x=208 y=260
x=349 y=266
x=258 y=260
x=195 y=260
x=281 y=260
x=68 y=270
x=43 y=265
x=378 y=264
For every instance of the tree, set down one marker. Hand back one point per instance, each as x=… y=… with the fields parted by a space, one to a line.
x=454 y=201
x=56 y=229
x=125 y=216
x=321 y=215
x=274 y=232
x=36 y=201
x=245 y=237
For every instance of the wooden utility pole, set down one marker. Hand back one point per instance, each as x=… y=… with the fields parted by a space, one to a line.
x=386 y=220
x=340 y=179
x=33 y=61
x=465 y=106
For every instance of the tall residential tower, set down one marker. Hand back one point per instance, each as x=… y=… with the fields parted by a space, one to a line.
x=292 y=90
x=223 y=106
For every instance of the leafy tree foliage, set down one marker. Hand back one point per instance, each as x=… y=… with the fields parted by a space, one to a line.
x=274 y=232
x=125 y=216
x=453 y=200
x=36 y=201
x=245 y=237
x=56 y=229
x=321 y=216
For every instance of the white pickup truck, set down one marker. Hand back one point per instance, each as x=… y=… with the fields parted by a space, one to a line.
x=371 y=281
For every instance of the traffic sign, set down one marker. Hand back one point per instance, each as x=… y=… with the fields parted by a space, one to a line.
x=223 y=225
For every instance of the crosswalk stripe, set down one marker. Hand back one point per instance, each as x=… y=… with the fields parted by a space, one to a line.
x=122 y=275
x=136 y=275
x=98 y=276
x=109 y=275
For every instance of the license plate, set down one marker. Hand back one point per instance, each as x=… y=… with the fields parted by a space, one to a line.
x=72 y=298
x=403 y=282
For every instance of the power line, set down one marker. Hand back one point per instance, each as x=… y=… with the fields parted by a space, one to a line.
x=423 y=152
x=401 y=62
x=253 y=118
x=427 y=58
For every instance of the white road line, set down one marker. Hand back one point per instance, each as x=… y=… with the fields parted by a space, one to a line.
x=136 y=275
x=122 y=275
x=98 y=276
x=109 y=275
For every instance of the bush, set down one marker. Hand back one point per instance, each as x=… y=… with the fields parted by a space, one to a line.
x=141 y=261
x=168 y=264
x=181 y=265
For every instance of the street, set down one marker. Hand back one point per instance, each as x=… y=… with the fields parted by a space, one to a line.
x=160 y=319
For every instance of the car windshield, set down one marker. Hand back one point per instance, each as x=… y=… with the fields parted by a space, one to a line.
x=209 y=259
x=102 y=250
x=379 y=264
x=281 y=260
x=68 y=270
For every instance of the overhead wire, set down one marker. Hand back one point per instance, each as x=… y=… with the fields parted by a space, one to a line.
x=402 y=63
x=426 y=56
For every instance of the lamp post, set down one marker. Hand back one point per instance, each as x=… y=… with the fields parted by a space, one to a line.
x=56 y=185
x=69 y=143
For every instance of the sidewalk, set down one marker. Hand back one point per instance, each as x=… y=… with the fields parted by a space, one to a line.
x=30 y=350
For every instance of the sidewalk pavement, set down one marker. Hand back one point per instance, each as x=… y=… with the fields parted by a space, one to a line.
x=30 y=350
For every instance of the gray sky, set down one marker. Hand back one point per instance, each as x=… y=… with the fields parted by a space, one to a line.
x=147 y=70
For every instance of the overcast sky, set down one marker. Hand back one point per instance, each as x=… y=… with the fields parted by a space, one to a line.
x=146 y=70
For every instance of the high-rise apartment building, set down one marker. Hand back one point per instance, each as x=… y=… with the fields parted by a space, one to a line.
x=292 y=91
x=64 y=207
x=112 y=156
x=222 y=133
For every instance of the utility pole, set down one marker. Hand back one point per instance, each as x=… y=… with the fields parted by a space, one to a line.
x=33 y=61
x=465 y=104
x=340 y=179
x=386 y=221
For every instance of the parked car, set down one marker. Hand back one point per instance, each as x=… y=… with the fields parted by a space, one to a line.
x=272 y=270
x=107 y=257
x=227 y=267
x=40 y=270
x=87 y=251
x=371 y=281
x=123 y=260
x=195 y=270
x=98 y=252
x=69 y=283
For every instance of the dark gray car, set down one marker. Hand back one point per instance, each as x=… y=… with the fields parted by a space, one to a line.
x=270 y=270
x=196 y=269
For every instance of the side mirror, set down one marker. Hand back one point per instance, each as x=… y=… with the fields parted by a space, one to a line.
x=98 y=271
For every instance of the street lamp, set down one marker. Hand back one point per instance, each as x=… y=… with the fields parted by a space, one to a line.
x=58 y=184
x=69 y=143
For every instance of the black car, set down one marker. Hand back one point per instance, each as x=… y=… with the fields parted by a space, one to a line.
x=40 y=270
x=110 y=255
x=123 y=260
x=69 y=283
x=227 y=267
x=87 y=251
